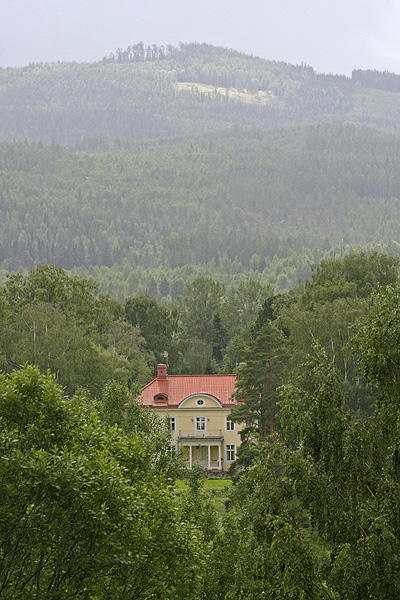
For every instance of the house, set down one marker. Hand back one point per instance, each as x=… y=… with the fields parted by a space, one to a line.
x=198 y=408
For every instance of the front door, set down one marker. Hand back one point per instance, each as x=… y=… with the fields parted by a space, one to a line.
x=200 y=456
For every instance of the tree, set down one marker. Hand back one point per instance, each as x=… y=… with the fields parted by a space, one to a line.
x=327 y=309
x=377 y=343
x=266 y=360
x=198 y=508
x=270 y=554
x=60 y=323
x=330 y=324
x=201 y=301
x=43 y=335
x=83 y=511
x=75 y=296
x=220 y=339
x=345 y=471
x=243 y=304
x=201 y=337
x=355 y=275
x=119 y=406
x=157 y=324
x=126 y=346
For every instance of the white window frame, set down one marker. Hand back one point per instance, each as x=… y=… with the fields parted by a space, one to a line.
x=172 y=450
x=229 y=424
x=200 y=423
x=230 y=452
x=172 y=423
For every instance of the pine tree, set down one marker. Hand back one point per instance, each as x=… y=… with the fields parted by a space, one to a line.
x=266 y=360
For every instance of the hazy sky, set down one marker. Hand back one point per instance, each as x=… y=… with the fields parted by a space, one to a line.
x=330 y=35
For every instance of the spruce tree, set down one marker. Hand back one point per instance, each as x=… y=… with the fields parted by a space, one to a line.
x=266 y=361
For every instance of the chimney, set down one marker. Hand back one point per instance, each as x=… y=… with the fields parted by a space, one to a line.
x=162 y=372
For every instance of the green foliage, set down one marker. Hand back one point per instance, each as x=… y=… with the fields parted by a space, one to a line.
x=377 y=342
x=202 y=338
x=83 y=513
x=243 y=204
x=266 y=362
x=61 y=323
x=196 y=230
x=44 y=335
x=197 y=507
x=146 y=93
x=119 y=406
x=326 y=309
x=344 y=471
x=355 y=275
x=270 y=557
x=157 y=324
x=376 y=79
x=243 y=304
x=165 y=168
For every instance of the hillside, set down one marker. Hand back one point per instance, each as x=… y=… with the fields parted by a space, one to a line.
x=155 y=165
x=155 y=93
x=237 y=203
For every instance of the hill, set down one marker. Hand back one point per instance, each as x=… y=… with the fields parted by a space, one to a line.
x=158 y=164
x=153 y=93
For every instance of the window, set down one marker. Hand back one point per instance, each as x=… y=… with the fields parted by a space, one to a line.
x=160 y=399
x=229 y=424
x=172 y=422
x=200 y=402
x=200 y=423
x=230 y=452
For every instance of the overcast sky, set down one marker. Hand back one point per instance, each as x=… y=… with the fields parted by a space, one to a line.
x=330 y=35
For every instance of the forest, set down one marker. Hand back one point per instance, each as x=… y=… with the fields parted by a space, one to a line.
x=241 y=215
x=89 y=507
x=233 y=206
x=156 y=165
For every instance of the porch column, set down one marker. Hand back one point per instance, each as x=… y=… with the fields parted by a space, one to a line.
x=190 y=456
x=219 y=457
x=209 y=457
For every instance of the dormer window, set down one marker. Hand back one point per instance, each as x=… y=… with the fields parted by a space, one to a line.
x=160 y=399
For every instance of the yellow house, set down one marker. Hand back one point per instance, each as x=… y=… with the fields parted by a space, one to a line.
x=198 y=408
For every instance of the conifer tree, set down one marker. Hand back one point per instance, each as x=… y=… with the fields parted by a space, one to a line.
x=266 y=361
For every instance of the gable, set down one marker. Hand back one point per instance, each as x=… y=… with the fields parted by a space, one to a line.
x=200 y=401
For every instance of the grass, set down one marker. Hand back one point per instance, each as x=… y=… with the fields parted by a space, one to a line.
x=209 y=484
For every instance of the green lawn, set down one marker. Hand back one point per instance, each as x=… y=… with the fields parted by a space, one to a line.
x=209 y=484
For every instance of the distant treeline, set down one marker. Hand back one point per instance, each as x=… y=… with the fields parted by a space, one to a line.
x=140 y=53
x=380 y=80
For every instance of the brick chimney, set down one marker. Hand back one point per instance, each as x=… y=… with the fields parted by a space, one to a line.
x=162 y=372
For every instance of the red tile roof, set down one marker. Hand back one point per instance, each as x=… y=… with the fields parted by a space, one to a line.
x=179 y=387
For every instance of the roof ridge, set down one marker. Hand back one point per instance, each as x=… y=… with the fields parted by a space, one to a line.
x=206 y=375
x=191 y=376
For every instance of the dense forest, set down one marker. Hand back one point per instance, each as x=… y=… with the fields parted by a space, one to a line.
x=157 y=165
x=244 y=204
x=241 y=215
x=89 y=507
x=63 y=324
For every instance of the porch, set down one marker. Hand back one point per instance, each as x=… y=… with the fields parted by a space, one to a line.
x=206 y=454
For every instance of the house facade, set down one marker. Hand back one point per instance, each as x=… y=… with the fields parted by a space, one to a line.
x=198 y=408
